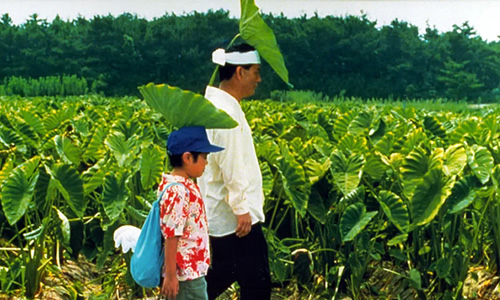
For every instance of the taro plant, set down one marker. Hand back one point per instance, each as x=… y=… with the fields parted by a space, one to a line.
x=380 y=183
x=68 y=176
x=348 y=187
x=254 y=31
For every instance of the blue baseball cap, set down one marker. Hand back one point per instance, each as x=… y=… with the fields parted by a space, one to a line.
x=190 y=139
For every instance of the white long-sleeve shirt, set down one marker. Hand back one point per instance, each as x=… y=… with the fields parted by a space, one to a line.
x=232 y=183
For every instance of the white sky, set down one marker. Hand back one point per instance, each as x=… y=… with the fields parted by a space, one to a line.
x=483 y=15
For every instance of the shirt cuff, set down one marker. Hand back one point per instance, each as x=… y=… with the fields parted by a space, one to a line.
x=240 y=209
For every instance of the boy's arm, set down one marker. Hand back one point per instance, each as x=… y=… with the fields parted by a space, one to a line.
x=170 y=286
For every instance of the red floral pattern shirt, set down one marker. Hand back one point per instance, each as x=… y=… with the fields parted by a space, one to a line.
x=183 y=215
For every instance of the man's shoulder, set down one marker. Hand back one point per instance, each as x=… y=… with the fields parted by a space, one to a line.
x=221 y=99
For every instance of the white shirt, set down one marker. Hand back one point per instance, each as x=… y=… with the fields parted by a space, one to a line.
x=232 y=183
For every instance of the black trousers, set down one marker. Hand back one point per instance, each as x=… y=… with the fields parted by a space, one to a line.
x=244 y=260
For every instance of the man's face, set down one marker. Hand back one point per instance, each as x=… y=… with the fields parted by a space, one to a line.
x=250 y=79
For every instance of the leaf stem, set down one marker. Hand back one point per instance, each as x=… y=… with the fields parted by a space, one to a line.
x=214 y=74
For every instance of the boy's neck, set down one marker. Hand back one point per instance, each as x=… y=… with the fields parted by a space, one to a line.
x=180 y=172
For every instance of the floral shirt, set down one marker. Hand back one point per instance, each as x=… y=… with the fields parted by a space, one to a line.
x=183 y=215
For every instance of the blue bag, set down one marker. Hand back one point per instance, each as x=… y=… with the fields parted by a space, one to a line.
x=147 y=261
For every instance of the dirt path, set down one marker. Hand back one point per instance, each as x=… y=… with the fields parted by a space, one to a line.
x=84 y=277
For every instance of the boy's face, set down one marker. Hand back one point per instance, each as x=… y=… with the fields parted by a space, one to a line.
x=195 y=169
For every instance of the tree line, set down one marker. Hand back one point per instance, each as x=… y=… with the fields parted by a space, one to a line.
x=348 y=56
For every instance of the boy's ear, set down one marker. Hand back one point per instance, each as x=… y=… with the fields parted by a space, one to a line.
x=186 y=157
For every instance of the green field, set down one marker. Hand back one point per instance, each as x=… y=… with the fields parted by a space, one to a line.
x=354 y=191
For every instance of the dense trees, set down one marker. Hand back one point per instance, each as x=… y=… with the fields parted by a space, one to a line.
x=349 y=55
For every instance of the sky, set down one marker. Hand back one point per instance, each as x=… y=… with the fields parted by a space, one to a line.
x=482 y=15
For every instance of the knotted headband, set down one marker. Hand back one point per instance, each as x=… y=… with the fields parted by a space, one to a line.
x=220 y=57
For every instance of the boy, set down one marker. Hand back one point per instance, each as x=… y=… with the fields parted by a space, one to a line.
x=182 y=216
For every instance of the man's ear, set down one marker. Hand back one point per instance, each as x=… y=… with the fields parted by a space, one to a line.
x=238 y=72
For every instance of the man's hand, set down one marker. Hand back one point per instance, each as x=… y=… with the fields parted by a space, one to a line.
x=244 y=225
x=170 y=287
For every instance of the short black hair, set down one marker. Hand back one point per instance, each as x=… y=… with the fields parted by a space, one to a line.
x=176 y=159
x=227 y=71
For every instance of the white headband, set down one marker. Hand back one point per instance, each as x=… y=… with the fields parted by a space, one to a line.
x=220 y=57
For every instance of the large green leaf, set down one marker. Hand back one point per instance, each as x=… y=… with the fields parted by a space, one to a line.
x=455 y=160
x=17 y=192
x=7 y=168
x=411 y=139
x=429 y=196
x=26 y=131
x=267 y=178
x=64 y=228
x=354 y=220
x=385 y=144
x=416 y=165
x=433 y=125
x=342 y=123
x=413 y=170
x=374 y=166
x=480 y=161
x=10 y=138
x=256 y=33
x=115 y=194
x=495 y=176
x=347 y=171
x=184 y=108
x=353 y=144
x=322 y=146
x=68 y=152
x=124 y=150
x=70 y=185
x=467 y=129
x=316 y=206
x=31 y=165
x=33 y=120
x=358 y=195
x=361 y=123
x=270 y=151
x=151 y=166
x=316 y=169
x=42 y=189
x=462 y=194
x=94 y=149
x=395 y=210
x=295 y=184
x=94 y=176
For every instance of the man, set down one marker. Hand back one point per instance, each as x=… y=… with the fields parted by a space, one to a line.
x=232 y=185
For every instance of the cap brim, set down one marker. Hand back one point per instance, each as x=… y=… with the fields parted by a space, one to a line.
x=210 y=149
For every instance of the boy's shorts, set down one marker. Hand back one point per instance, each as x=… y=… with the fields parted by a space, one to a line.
x=195 y=289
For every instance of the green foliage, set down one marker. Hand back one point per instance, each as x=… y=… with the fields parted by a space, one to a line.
x=354 y=220
x=17 y=191
x=334 y=56
x=395 y=210
x=184 y=108
x=347 y=171
x=115 y=195
x=255 y=32
x=151 y=166
x=44 y=86
x=347 y=186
